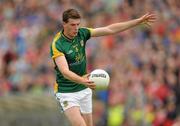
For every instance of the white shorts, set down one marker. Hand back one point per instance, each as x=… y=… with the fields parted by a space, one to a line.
x=82 y=99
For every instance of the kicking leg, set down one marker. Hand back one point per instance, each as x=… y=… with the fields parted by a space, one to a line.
x=74 y=116
x=88 y=119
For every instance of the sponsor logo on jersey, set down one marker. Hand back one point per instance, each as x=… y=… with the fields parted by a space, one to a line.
x=76 y=47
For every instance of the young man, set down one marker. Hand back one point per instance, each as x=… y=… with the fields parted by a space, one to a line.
x=72 y=87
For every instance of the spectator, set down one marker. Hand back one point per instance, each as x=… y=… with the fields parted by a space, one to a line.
x=144 y=64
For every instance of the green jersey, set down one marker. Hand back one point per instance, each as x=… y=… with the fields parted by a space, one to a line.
x=74 y=52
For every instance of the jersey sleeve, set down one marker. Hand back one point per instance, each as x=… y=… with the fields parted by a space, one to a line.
x=86 y=33
x=55 y=49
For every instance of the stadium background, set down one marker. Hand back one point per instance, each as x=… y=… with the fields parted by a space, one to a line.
x=144 y=63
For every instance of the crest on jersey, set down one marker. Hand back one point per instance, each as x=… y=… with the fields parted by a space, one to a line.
x=76 y=47
x=82 y=43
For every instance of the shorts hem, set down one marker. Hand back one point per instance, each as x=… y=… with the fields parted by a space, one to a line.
x=64 y=109
x=86 y=112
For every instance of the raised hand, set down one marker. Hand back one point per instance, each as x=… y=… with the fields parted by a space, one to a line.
x=148 y=19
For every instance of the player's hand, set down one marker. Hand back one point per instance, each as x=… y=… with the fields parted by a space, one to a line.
x=88 y=82
x=148 y=19
x=91 y=85
x=86 y=76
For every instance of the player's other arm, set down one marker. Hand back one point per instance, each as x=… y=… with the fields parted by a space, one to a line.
x=64 y=68
x=146 y=19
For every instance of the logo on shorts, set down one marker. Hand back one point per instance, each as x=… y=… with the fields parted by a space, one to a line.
x=65 y=103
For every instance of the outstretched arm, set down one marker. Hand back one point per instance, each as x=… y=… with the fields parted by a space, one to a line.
x=146 y=19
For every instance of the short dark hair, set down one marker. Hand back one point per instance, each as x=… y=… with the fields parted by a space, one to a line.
x=70 y=13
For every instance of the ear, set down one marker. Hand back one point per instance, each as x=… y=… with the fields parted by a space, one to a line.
x=64 y=24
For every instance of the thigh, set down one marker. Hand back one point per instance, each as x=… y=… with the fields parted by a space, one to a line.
x=86 y=101
x=74 y=116
x=88 y=119
x=86 y=107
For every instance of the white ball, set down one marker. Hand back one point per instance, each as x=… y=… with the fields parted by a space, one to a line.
x=100 y=78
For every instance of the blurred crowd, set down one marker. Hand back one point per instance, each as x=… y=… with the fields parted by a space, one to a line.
x=144 y=62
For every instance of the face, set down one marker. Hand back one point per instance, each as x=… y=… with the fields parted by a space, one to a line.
x=71 y=27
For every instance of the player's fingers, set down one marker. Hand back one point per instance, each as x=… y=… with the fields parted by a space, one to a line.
x=151 y=16
x=151 y=20
x=147 y=24
x=144 y=17
x=92 y=86
x=86 y=75
x=148 y=18
x=146 y=14
x=89 y=81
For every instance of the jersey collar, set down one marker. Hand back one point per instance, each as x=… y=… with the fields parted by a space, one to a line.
x=65 y=37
